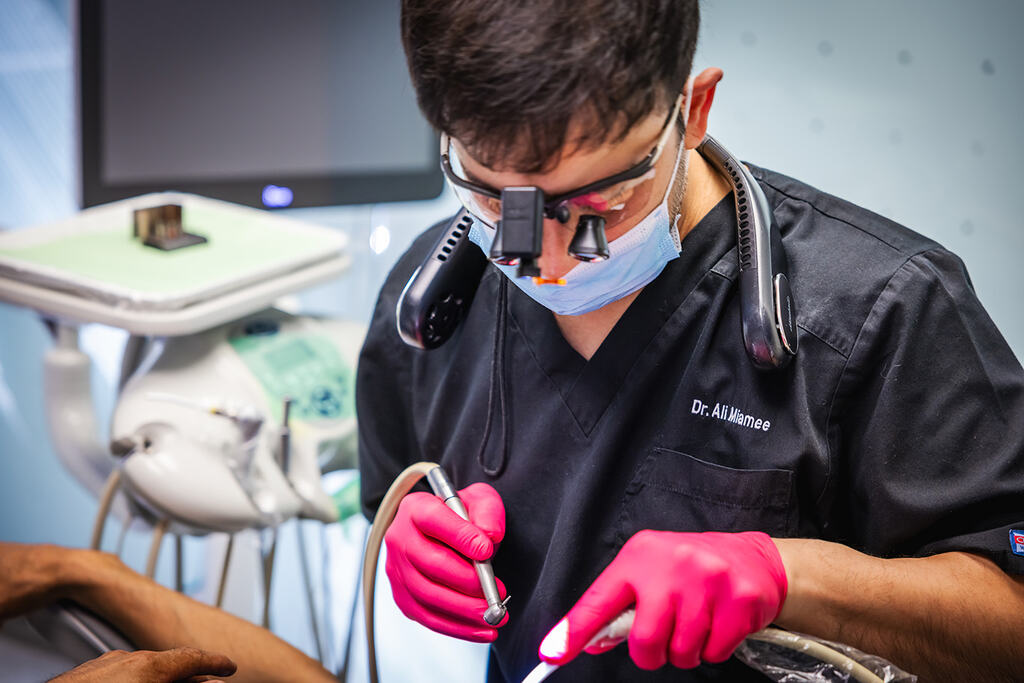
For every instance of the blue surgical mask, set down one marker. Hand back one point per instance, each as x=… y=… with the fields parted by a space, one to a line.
x=637 y=257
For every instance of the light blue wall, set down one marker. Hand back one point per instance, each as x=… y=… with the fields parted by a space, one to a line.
x=38 y=501
x=912 y=109
x=909 y=108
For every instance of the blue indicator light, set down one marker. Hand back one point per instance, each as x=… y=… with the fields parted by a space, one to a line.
x=275 y=196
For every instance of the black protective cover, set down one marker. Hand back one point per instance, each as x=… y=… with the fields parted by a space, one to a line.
x=768 y=311
x=439 y=293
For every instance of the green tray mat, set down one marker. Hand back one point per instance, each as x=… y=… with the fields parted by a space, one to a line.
x=238 y=246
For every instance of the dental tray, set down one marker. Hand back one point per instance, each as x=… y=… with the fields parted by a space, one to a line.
x=90 y=268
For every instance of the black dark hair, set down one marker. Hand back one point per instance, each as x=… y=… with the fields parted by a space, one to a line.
x=508 y=77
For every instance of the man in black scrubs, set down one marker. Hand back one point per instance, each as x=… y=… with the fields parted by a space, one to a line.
x=617 y=446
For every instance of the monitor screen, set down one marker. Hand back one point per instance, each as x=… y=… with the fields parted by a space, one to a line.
x=265 y=103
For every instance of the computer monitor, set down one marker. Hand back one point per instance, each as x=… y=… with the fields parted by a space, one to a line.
x=265 y=102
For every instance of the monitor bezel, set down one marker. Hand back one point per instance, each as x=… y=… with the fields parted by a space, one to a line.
x=308 y=190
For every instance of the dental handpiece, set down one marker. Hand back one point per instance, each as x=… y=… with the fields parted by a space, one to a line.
x=444 y=490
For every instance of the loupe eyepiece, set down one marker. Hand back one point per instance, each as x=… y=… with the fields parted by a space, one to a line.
x=590 y=243
x=518 y=237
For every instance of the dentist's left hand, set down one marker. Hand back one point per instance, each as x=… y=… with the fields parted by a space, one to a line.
x=697 y=596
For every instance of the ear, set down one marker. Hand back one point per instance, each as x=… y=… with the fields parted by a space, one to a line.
x=704 y=85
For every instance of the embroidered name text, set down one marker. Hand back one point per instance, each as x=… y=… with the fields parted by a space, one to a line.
x=728 y=413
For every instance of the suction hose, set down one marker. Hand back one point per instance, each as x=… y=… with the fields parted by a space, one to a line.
x=411 y=475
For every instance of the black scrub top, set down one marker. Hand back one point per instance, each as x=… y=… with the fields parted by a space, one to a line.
x=898 y=429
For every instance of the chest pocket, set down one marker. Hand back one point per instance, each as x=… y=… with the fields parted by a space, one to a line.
x=673 y=491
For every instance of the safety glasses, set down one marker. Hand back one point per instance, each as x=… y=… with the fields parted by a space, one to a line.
x=615 y=198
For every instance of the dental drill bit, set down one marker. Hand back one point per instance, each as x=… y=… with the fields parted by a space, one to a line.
x=443 y=489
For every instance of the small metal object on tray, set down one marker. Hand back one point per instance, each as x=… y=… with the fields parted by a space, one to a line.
x=161 y=227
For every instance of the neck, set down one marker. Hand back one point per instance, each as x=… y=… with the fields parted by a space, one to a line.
x=704 y=189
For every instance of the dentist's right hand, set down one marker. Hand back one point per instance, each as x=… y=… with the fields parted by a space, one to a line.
x=430 y=549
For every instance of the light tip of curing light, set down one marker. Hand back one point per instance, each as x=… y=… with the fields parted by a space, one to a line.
x=556 y=641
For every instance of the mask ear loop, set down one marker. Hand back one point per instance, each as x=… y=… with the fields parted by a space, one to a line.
x=684 y=113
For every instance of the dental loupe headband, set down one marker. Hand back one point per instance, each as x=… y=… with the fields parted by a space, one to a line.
x=517 y=241
x=438 y=294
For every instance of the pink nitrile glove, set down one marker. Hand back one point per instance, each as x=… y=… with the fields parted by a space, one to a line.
x=697 y=596
x=432 y=580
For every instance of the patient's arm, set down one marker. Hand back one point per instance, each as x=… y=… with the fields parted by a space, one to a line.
x=151 y=616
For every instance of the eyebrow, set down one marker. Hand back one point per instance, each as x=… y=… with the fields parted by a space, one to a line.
x=470 y=176
x=473 y=178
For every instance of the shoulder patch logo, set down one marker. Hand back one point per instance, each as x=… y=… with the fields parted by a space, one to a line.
x=1017 y=541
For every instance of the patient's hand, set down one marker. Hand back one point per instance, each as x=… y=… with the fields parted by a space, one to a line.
x=29 y=576
x=183 y=663
x=34 y=575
